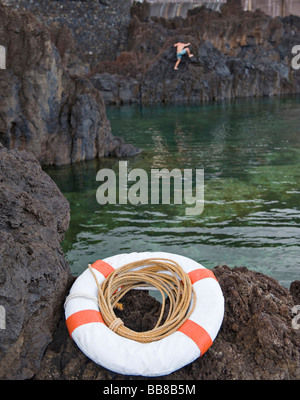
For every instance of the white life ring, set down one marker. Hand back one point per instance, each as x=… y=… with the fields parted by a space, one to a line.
x=129 y=357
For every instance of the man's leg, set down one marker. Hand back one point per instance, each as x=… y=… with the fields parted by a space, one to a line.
x=189 y=53
x=177 y=63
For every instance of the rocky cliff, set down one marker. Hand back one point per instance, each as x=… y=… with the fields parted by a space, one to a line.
x=60 y=118
x=236 y=54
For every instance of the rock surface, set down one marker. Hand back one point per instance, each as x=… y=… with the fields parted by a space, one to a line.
x=100 y=27
x=60 y=118
x=34 y=274
x=236 y=54
x=256 y=340
x=295 y=291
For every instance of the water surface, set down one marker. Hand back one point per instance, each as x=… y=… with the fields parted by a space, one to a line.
x=250 y=152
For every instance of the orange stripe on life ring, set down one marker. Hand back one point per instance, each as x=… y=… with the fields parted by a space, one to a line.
x=201 y=273
x=103 y=267
x=81 y=318
x=198 y=334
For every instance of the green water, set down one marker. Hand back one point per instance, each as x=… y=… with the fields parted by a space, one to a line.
x=250 y=153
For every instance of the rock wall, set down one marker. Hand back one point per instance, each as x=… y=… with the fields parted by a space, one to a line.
x=236 y=54
x=60 y=118
x=100 y=27
x=34 y=274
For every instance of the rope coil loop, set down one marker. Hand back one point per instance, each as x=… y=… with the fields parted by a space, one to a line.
x=114 y=326
x=166 y=276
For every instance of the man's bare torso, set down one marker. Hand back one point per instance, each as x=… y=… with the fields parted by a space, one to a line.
x=180 y=46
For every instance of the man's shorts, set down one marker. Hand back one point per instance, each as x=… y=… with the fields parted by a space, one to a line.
x=181 y=53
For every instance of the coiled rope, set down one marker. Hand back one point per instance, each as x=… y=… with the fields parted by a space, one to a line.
x=165 y=275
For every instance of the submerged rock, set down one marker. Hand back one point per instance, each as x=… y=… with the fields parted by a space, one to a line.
x=34 y=274
x=256 y=340
x=59 y=118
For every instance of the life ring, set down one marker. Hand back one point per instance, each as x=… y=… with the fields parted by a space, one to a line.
x=125 y=356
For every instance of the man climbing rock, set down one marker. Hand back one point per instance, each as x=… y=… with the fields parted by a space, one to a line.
x=182 y=48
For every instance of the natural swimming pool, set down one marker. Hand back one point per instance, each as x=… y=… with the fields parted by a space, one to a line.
x=250 y=153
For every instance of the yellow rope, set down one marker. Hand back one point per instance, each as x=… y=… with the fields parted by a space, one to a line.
x=167 y=276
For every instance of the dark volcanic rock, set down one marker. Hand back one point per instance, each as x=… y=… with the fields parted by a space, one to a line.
x=256 y=340
x=59 y=118
x=69 y=50
x=236 y=54
x=99 y=27
x=295 y=291
x=34 y=275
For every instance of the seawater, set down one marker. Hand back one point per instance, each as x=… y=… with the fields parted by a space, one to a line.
x=250 y=153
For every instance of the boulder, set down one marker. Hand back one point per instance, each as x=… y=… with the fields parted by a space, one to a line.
x=116 y=89
x=34 y=274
